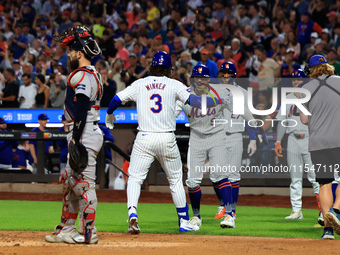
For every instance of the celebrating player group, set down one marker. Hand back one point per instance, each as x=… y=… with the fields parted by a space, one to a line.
x=159 y=100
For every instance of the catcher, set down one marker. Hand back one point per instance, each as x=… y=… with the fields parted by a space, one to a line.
x=85 y=140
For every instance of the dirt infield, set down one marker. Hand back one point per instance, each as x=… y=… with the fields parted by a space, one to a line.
x=28 y=242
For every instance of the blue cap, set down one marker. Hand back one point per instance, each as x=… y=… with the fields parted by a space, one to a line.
x=2 y=120
x=317 y=60
x=200 y=70
x=43 y=116
x=43 y=27
x=16 y=61
x=230 y=67
x=298 y=74
x=63 y=117
x=161 y=58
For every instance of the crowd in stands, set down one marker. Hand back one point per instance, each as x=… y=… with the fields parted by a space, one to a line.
x=266 y=40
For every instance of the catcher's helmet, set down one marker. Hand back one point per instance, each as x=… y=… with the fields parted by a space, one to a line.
x=229 y=67
x=161 y=58
x=200 y=70
x=299 y=74
x=80 y=38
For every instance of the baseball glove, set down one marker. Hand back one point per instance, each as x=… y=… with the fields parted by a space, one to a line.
x=78 y=157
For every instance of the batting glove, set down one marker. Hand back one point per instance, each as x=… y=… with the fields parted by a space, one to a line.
x=251 y=147
x=109 y=120
x=278 y=149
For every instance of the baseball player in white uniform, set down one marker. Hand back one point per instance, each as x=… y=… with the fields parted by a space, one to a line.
x=82 y=100
x=156 y=98
x=297 y=151
x=233 y=132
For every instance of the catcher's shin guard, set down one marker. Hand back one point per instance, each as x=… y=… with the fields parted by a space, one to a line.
x=70 y=203
x=87 y=204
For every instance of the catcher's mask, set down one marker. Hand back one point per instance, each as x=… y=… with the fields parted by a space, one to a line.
x=80 y=38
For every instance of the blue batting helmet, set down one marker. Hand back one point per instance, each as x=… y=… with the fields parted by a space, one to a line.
x=161 y=58
x=317 y=60
x=298 y=74
x=200 y=70
x=230 y=67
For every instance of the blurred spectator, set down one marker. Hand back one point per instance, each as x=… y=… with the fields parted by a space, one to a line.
x=9 y=94
x=67 y=22
x=61 y=55
x=313 y=37
x=184 y=74
x=158 y=30
x=123 y=27
x=26 y=31
x=199 y=40
x=8 y=58
x=106 y=46
x=252 y=67
x=42 y=119
x=318 y=10
x=57 y=90
x=305 y=28
x=192 y=50
x=17 y=69
x=228 y=56
x=129 y=43
x=122 y=52
x=267 y=37
x=42 y=98
x=98 y=26
x=109 y=88
x=153 y=12
x=218 y=12
x=171 y=37
x=132 y=16
x=240 y=58
x=243 y=20
x=178 y=48
x=274 y=48
x=115 y=74
x=44 y=37
x=27 y=68
x=254 y=13
x=28 y=92
x=6 y=147
x=217 y=31
x=332 y=19
x=63 y=145
x=48 y=6
x=320 y=47
x=28 y=13
x=21 y=156
x=267 y=69
x=326 y=37
x=18 y=42
x=205 y=60
x=192 y=5
x=186 y=58
x=286 y=68
x=294 y=44
x=331 y=59
x=135 y=71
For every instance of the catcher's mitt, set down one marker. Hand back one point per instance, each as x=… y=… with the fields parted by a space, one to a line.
x=78 y=157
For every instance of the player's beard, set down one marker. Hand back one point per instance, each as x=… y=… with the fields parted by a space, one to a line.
x=72 y=64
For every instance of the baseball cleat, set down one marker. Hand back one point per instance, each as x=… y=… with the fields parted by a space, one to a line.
x=80 y=239
x=228 y=222
x=234 y=216
x=196 y=221
x=333 y=218
x=186 y=226
x=328 y=234
x=133 y=224
x=295 y=216
x=58 y=236
x=220 y=212
x=321 y=221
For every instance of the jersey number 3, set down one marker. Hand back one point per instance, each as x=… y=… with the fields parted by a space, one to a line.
x=158 y=103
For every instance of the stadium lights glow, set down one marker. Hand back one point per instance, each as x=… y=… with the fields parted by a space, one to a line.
x=49 y=125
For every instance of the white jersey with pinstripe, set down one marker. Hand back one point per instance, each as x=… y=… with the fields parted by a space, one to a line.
x=206 y=140
x=156 y=101
x=297 y=155
x=233 y=130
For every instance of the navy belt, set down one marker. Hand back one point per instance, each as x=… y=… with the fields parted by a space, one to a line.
x=227 y=133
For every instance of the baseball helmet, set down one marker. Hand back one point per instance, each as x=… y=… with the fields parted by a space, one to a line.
x=80 y=38
x=298 y=74
x=200 y=70
x=229 y=67
x=161 y=58
x=316 y=60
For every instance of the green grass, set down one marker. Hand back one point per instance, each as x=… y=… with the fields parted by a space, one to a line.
x=162 y=218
